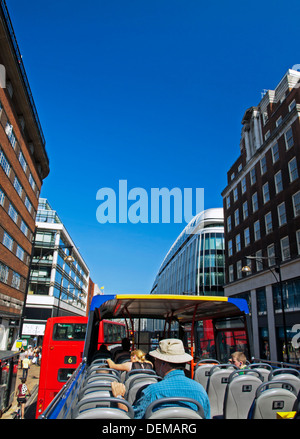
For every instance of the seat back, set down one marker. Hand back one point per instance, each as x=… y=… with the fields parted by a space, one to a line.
x=99 y=407
x=263 y=368
x=273 y=397
x=137 y=383
x=201 y=374
x=240 y=393
x=104 y=387
x=133 y=374
x=216 y=386
x=290 y=375
x=177 y=411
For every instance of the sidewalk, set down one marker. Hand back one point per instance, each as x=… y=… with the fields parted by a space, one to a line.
x=32 y=384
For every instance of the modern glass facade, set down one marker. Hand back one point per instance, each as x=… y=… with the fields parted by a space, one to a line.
x=195 y=262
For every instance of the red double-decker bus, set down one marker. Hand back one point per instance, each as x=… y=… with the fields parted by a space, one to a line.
x=62 y=352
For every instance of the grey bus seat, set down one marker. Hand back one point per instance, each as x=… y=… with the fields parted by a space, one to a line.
x=103 y=408
x=202 y=370
x=263 y=368
x=240 y=393
x=179 y=411
x=100 y=370
x=101 y=378
x=290 y=375
x=216 y=386
x=273 y=397
x=132 y=374
x=95 y=387
x=137 y=382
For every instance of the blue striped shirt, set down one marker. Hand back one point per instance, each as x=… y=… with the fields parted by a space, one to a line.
x=174 y=384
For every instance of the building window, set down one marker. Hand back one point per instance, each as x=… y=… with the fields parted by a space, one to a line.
x=239 y=272
x=243 y=185
x=13 y=213
x=238 y=243
x=18 y=187
x=265 y=117
x=296 y=203
x=24 y=228
x=256 y=230
x=230 y=247
x=4 y=270
x=289 y=140
x=266 y=193
x=254 y=202
x=268 y=223
x=16 y=280
x=10 y=134
x=231 y=278
x=228 y=201
x=267 y=135
x=236 y=217
x=292 y=105
x=20 y=253
x=271 y=255
x=4 y=163
x=278 y=182
x=229 y=223
x=281 y=214
x=279 y=121
x=247 y=237
x=22 y=161
x=252 y=176
x=235 y=194
x=285 y=248
x=2 y=197
x=28 y=204
x=263 y=165
x=275 y=153
x=7 y=241
x=293 y=170
x=298 y=241
x=245 y=210
x=259 y=261
x=32 y=182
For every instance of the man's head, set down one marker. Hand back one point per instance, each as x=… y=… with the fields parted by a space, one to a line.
x=169 y=355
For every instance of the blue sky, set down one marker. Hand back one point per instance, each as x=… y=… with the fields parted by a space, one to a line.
x=148 y=91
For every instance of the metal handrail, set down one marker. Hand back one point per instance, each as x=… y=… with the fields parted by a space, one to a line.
x=279 y=364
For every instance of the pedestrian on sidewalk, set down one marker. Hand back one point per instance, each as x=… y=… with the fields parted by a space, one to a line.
x=21 y=393
x=25 y=366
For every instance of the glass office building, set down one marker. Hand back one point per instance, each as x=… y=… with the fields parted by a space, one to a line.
x=195 y=262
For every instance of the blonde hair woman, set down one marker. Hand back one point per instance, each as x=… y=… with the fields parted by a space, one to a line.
x=137 y=361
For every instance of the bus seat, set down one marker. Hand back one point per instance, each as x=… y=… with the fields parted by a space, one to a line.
x=175 y=411
x=290 y=375
x=216 y=386
x=202 y=370
x=102 y=408
x=272 y=397
x=132 y=374
x=100 y=356
x=137 y=382
x=263 y=368
x=123 y=358
x=99 y=369
x=101 y=377
x=95 y=387
x=240 y=393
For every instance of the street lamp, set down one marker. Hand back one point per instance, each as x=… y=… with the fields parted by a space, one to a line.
x=277 y=269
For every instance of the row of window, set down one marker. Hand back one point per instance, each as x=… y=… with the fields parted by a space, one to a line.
x=268 y=222
x=259 y=264
x=6 y=166
x=8 y=128
x=292 y=166
x=11 y=277
x=15 y=215
x=15 y=248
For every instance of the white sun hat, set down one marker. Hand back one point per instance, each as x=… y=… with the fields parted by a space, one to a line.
x=172 y=351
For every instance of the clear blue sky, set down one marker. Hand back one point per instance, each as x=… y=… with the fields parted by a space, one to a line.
x=148 y=91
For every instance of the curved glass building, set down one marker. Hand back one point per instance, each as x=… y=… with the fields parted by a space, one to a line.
x=195 y=264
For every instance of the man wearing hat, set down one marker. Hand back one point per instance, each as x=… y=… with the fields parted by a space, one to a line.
x=170 y=359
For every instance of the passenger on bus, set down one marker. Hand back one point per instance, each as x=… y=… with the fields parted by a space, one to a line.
x=124 y=351
x=137 y=361
x=238 y=359
x=170 y=360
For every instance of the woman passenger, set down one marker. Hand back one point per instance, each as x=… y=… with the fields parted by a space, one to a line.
x=137 y=361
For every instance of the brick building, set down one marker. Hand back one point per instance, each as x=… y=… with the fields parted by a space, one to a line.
x=24 y=165
x=262 y=219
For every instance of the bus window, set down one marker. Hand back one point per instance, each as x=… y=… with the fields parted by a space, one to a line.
x=64 y=374
x=231 y=337
x=69 y=331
